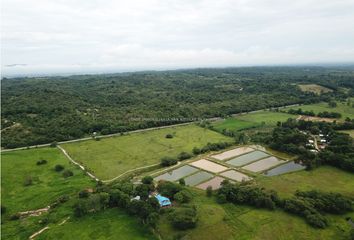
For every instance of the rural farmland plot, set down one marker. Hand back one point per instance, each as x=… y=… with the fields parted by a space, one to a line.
x=247 y=158
x=214 y=183
x=176 y=174
x=198 y=178
x=234 y=175
x=232 y=153
x=209 y=166
x=263 y=164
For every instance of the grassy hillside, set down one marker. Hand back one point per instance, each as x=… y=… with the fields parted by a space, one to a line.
x=110 y=157
x=47 y=184
x=350 y=132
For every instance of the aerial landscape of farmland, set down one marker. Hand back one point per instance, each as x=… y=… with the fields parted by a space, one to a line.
x=177 y=120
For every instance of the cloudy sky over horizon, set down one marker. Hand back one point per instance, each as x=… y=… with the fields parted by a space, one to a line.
x=68 y=36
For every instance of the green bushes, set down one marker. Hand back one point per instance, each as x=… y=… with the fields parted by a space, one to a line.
x=211 y=147
x=59 y=168
x=41 y=162
x=168 y=161
x=184 y=155
x=183 y=196
x=169 y=189
x=184 y=217
x=169 y=135
x=68 y=173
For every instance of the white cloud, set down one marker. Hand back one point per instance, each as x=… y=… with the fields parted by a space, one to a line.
x=77 y=35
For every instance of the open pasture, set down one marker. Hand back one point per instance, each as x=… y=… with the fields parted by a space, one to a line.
x=247 y=158
x=268 y=118
x=197 y=178
x=113 y=156
x=234 y=124
x=232 y=153
x=176 y=174
x=28 y=186
x=342 y=108
x=234 y=175
x=208 y=166
x=214 y=183
x=284 y=168
x=263 y=164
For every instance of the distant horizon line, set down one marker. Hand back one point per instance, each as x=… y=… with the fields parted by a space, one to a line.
x=142 y=70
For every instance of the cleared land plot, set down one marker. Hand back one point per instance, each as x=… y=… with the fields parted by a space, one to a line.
x=215 y=183
x=233 y=124
x=316 y=119
x=342 y=108
x=315 y=88
x=263 y=164
x=111 y=157
x=267 y=118
x=285 y=168
x=232 y=153
x=197 y=178
x=28 y=186
x=176 y=174
x=247 y=158
x=209 y=166
x=237 y=176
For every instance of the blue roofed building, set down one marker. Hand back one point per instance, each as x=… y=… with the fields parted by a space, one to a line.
x=163 y=201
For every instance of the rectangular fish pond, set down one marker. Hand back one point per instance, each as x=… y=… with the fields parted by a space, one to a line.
x=197 y=178
x=214 y=183
x=234 y=175
x=263 y=164
x=285 y=168
x=176 y=174
x=247 y=158
x=232 y=153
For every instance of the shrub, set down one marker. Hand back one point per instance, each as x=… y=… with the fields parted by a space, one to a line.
x=80 y=208
x=169 y=135
x=196 y=151
x=147 y=180
x=15 y=216
x=184 y=155
x=3 y=209
x=182 y=182
x=83 y=194
x=316 y=220
x=221 y=198
x=209 y=191
x=63 y=199
x=183 y=196
x=168 y=189
x=184 y=218
x=41 y=162
x=168 y=161
x=28 y=181
x=53 y=144
x=67 y=173
x=59 y=168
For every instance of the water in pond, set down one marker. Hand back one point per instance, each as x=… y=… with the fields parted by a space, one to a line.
x=234 y=175
x=263 y=164
x=285 y=168
x=247 y=158
x=197 y=178
x=177 y=173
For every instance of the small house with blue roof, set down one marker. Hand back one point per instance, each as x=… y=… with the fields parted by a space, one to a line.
x=163 y=201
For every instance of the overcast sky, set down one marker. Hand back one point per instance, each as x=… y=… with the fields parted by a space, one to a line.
x=68 y=36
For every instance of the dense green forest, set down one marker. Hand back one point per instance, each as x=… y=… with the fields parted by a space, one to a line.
x=46 y=109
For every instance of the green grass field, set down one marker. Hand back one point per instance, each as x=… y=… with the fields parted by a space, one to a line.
x=233 y=124
x=229 y=221
x=110 y=224
x=324 y=178
x=265 y=117
x=342 y=108
x=47 y=186
x=110 y=157
x=251 y=120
